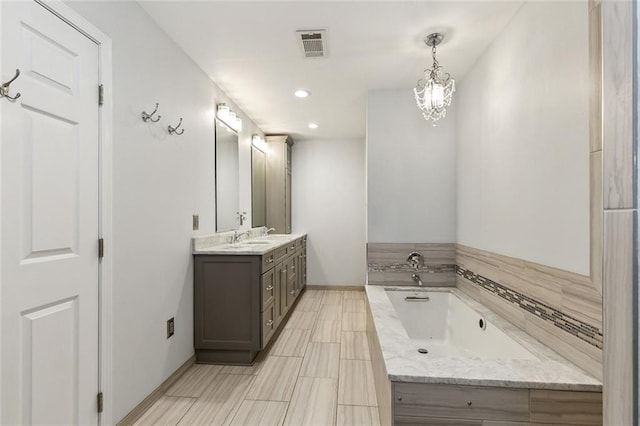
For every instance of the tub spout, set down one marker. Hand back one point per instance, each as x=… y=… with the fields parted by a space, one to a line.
x=416 y=279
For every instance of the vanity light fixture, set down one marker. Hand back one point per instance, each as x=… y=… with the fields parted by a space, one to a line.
x=313 y=126
x=435 y=90
x=259 y=143
x=301 y=93
x=229 y=117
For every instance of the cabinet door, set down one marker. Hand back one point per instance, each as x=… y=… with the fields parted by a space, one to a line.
x=282 y=280
x=291 y=280
x=268 y=289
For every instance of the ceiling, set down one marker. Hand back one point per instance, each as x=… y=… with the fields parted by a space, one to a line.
x=251 y=51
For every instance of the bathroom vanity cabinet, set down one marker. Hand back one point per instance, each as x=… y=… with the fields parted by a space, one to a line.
x=242 y=300
x=278 y=183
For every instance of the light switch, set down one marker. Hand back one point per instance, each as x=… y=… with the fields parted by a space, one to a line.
x=196 y=222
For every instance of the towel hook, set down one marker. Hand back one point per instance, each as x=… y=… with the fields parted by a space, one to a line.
x=149 y=117
x=173 y=130
x=4 y=89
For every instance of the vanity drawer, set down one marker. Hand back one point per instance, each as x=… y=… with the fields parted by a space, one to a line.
x=300 y=243
x=268 y=324
x=280 y=253
x=463 y=402
x=291 y=247
x=268 y=285
x=268 y=261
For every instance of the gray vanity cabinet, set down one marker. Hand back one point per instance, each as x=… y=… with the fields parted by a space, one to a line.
x=241 y=301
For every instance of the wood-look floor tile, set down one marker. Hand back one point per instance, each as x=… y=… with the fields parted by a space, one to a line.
x=353 y=294
x=194 y=381
x=220 y=401
x=313 y=402
x=354 y=345
x=352 y=415
x=321 y=360
x=301 y=320
x=330 y=313
x=168 y=410
x=276 y=379
x=353 y=305
x=310 y=304
x=250 y=370
x=291 y=342
x=356 y=385
x=260 y=413
x=354 y=321
x=326 y=332
x=313 y=293
x=332 y=298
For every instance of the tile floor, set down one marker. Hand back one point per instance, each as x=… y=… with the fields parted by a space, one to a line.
x=318 y=372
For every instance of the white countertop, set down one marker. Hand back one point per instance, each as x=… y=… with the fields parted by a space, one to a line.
x=252 y=246
x=405 y=364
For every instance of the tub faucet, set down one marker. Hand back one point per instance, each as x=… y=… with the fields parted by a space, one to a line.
x=416 y=279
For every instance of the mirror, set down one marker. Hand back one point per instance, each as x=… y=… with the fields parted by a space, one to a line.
x=227 y=178
x=258 y=187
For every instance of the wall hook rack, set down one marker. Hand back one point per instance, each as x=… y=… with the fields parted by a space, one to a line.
x=4 y=89
x=149 y=117
x=173 y=130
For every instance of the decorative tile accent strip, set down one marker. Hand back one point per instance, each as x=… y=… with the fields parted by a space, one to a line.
x=403 y=267
x=571 y=325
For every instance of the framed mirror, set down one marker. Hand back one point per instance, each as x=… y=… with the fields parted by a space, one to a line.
x=258 y=187
x=227 y=178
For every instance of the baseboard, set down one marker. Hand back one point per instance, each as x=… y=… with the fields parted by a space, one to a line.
x=141 y=408
x=336 y=287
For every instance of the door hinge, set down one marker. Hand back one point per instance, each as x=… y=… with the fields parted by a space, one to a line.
x=100 y=248
x=101 y=95
x=100 y=402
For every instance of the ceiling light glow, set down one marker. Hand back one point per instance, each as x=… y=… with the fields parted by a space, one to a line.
x=313 y=126
x=301 y=93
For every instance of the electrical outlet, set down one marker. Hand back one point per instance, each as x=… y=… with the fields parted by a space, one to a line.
x=196 y=222
x=170 y=327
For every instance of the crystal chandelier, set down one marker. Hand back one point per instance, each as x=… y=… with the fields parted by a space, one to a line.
x=435 y=90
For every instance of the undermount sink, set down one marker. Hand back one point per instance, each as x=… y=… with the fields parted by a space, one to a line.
x=255 y=243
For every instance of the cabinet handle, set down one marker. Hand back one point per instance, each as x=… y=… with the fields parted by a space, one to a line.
x=269 y=323
x=269 y=288
x=284 y=271
x=293 y=267
x=270 y=260
x=292 y=292
x=292 y=247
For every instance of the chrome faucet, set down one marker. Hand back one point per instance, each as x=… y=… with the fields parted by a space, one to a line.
x=265 y=231
x=237 y=236
x=416 y=279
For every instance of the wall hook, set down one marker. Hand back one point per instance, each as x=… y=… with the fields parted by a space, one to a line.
x=4 y=89
x=149 y=117
x=173 y=130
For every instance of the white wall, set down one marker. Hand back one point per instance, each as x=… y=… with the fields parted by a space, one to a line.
x=522 y=122
x=411 y=176
x=159 y=182
x=328 y=185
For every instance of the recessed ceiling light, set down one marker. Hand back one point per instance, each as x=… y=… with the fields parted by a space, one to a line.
x=313 y=126
x=301 y=93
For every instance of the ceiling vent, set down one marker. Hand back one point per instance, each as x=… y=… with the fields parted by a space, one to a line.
x=313 y=42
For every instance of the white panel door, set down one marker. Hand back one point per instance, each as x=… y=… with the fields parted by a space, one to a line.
x=50 y=180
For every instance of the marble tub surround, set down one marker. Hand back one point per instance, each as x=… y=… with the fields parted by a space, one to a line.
x=560 y=308
x=220 y=243
x=404 y=364
x=387 y=264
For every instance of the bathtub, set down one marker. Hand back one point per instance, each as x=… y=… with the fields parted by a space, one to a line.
x=437 y=353
x=442 y=325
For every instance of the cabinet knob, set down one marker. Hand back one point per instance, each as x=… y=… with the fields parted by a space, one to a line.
x=284 y=271
x=469 y=403
x=399 y=398
x=269 y=323
x=270 y=260
x=292 y=292
x=293 y=247
x=269 y=288
x=293 y=267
